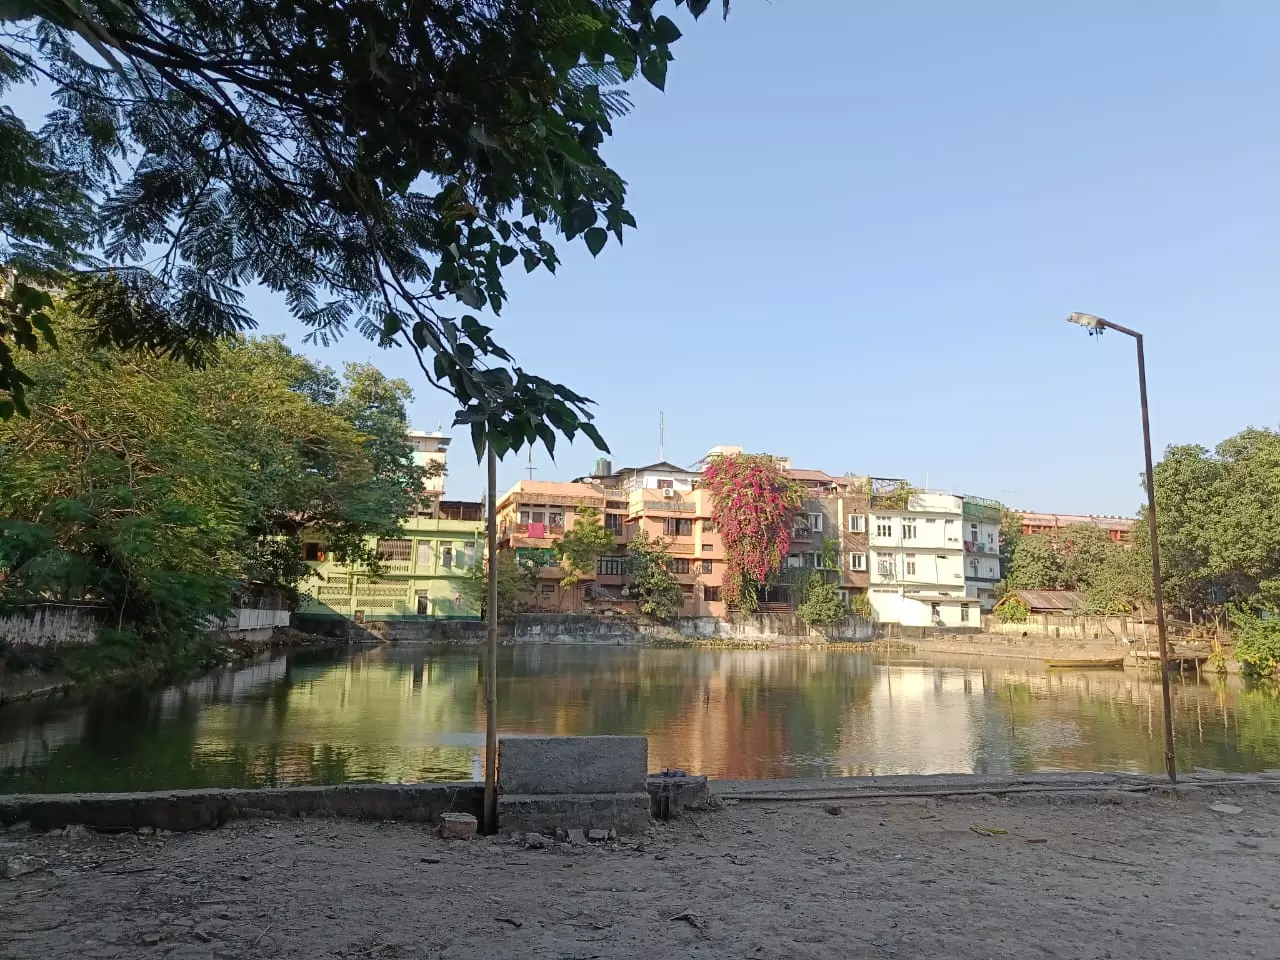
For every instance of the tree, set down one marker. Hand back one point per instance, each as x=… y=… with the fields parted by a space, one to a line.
x=1257 y=638
x=822 y=606
x=661 y=595
x=1010 y=537
x=753 y=505
x=1037 y=564
x=514 y=580
x=373 y=161
x=582 y=545
x=145 y=485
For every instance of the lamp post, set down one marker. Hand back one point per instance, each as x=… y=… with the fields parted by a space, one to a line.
x=1096 y=325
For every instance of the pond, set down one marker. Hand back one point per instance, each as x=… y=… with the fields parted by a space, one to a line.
x=409 y=713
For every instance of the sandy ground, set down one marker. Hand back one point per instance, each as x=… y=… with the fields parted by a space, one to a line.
x=1143 y=877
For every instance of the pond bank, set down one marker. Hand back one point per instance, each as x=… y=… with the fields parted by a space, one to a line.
x=968 y=879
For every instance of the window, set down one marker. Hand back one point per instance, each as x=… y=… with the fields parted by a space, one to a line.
x=708 y=548
x=991 y=538
x=711 y=594
x=911 y=565
x=613 y=522
x=611 y=566
x=855 y=523
x=555 y=517
x=973 y=568
x=708 y=526
x=395 y=549
x=707 y=566
x=857 y=561
x=935 y=611
x=548 y=589
x=884 y=564
x=680 y=565
x=424 y=553
x=908 y=529
x=313 y=552
x=677 y=527
x=615 y=505
x=446 y=555
x=964 y=613
x=815 y=522
x=666 y=484
x=884 y=529
x=528 y=515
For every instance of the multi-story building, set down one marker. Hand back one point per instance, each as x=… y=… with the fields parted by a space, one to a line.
x=659 y=499
x=1119 y=529
x=420 y=571
x=981 y=523
x=917 y=562
x=831 y=531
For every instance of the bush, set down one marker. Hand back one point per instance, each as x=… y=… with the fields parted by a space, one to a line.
x=1257 y=639
x=1012 y=610
x=822 y=607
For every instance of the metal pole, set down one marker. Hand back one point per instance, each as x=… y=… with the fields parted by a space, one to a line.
x=1170 y=764
x=491 y=660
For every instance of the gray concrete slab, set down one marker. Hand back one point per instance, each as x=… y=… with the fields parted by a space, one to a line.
x=555 y=765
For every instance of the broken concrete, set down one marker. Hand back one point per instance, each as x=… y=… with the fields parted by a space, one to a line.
x=458 y=826
x=674 y=791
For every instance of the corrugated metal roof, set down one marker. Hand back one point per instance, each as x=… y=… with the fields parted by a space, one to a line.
x=816 y=476
x=1051 y=601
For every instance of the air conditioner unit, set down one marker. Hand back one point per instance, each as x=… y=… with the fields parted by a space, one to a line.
x=668 y=493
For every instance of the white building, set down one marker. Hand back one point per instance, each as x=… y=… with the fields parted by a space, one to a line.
x=917 y=563
x=981 y=549
x=430 y=449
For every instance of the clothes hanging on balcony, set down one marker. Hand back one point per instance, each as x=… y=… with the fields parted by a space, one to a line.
x=537 y=530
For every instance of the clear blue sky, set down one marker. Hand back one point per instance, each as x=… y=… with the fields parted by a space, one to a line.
x=861 y=226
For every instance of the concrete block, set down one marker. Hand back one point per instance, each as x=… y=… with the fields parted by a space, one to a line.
x=626 y=813
x=457 y=826
x=551 y=765
x=674 y=792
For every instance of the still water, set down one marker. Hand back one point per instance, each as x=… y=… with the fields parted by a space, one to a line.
x=404 y=713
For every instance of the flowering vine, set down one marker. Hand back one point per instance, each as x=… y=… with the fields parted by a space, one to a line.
x=753 y=504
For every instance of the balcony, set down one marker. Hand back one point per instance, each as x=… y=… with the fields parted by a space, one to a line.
x=977 y=546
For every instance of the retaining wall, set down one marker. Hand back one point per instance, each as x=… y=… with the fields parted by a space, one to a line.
x=52 y=625
x=1073 y=628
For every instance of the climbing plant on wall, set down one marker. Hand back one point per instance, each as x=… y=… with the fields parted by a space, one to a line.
x=753 y=504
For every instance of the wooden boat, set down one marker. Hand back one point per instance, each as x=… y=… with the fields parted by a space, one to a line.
x=1090 y=663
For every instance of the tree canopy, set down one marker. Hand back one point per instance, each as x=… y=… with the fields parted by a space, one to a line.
x=155 y=489
x=1115 y=578
x=380 y=163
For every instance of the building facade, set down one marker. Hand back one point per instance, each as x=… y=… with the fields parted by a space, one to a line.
x=917 y=561
x=981 y=530
x=420 y=572
x=1119 y=529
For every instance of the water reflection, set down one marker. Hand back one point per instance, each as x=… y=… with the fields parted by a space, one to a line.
x=410 y=714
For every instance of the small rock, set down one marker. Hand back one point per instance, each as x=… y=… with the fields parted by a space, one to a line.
x=613 y=834
x=535 y=841
x=834 y=809
x=21 y=865
x=457 y=826
x=146 y=831
x=597 y=836
x=1248 y=844
x=22 y=826
x=577 y=836
x=1225 y=808
x=75 y=830
x=429 y=859
x=151 y=939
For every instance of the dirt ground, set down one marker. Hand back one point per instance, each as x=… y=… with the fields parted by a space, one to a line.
x=1134 y=877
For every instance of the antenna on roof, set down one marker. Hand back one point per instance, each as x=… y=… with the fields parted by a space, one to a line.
x=531 y=467
x=662 y=436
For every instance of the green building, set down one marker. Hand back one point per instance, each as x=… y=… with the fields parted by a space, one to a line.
x=421 y=572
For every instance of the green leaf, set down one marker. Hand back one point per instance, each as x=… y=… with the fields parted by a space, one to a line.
x=698 y=7
x=590 y=430
x=548 y=437
x=477 y=439
x=392 y=324
x=596 y=238
x=506 y=254
x=665 y=31
x=6 y=408
x=530 y=261
x=655 y=69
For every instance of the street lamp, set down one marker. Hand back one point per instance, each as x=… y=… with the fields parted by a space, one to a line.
x=1096 y=325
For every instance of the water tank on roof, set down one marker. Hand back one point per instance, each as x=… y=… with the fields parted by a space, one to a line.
x=604 y=467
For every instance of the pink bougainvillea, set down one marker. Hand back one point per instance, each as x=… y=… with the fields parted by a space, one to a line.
x=753 y=503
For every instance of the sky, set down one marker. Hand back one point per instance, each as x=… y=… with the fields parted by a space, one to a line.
x=861 y=227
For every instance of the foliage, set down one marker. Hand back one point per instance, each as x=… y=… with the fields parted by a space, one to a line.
x=860 y=605
x=140 y=483
x=830 y=553
x=1012 y=610
x=753 y=504
x=374 y=161
x=1082 y=557
x=514 y=580
x=822 y=607
x=661 y=596
x=1257 y=638
x=582 y=545
x=1010 y=537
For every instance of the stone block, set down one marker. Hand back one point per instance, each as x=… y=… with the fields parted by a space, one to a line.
x=626 y=813
x=457 y=826
x=674 y=792
x=587 y=765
